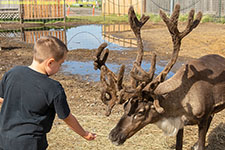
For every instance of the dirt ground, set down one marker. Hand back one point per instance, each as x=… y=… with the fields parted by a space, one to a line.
x=84 y=96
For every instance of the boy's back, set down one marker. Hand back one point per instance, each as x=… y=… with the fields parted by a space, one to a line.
x=31 y=100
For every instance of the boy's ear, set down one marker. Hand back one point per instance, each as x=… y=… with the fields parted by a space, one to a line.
x=50 y=61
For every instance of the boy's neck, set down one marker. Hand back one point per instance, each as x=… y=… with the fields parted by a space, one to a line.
x=39 y=67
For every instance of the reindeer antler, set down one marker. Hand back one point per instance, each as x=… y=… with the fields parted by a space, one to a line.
x=147 y=81
x=113 y=91
x=112 y=86
x=136 y=26
x=176 y=38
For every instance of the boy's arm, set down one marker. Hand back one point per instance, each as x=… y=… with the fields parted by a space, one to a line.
x=72 y=122
x=1 y=100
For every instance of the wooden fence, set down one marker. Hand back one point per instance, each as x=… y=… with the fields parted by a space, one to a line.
x=43 y=9
x=32 y=9
x=107 y=31
x=120 y=7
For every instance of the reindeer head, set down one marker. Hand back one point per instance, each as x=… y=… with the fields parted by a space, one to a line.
x=143 y=106
x=137 y=114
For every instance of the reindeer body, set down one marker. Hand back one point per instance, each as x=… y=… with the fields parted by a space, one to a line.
x=193 y=94
x=195 y=91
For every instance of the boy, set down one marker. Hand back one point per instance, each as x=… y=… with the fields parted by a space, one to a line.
x=31 y=99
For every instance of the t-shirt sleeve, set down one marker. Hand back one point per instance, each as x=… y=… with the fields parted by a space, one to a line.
x=61 y=106
x=2 y=86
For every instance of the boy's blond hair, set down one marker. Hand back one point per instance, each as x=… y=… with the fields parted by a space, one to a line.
x=47 y=47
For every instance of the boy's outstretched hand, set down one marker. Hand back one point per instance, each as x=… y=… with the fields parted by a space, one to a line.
x=89 y=136
x=72 y=122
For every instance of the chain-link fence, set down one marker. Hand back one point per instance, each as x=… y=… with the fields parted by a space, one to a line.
x=210 y=7
x=215 y=8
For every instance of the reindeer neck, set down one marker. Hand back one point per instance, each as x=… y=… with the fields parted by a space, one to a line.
x=171 y=94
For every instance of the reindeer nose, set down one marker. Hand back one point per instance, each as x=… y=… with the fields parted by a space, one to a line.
x=116 y=137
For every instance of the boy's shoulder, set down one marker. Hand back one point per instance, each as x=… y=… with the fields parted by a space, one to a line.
x=18 y=69
x=26 y=73
x=15 y=70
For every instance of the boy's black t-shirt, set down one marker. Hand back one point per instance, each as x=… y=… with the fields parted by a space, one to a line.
x=31 y=100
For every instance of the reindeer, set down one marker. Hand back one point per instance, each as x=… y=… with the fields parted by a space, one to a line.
x=191 y=97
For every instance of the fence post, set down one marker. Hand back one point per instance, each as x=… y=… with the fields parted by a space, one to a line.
x=220 y=8
x=103 y=5
x=171 y=6
x=64 y=29
x=118 y=7
x=64 y=11
x=22 y=34
x=144 y=6
x=21 y=12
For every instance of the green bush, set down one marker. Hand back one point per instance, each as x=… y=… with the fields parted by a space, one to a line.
x=183 y=17
x=207 y=18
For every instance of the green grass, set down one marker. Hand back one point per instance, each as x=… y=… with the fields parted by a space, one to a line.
x=154 y=18
x=210 y=18
x=8 y=20
x=221 y=20
x=207 y=18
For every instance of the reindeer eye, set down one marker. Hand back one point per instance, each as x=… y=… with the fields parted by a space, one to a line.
x=107 y=96
x=141 y=111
